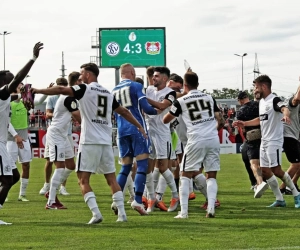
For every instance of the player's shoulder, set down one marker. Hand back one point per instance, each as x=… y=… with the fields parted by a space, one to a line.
x=52 y=98
x=168 y=90
x=150 y=90
x=98 y=87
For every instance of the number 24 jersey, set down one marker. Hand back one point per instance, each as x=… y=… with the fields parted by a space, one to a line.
x=197 y=110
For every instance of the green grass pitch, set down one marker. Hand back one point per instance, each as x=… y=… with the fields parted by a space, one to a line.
x=241 y=222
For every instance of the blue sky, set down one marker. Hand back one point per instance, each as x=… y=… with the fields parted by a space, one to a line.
x=206 y=33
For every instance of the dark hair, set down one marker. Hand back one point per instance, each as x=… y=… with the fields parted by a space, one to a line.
x=150 y=71
x=73 y=78
x=5 y=77
x=91 y=67
x=263 y=79
x=191 y=79
x=139 y=80
x=162 y=70
x=176 y=78
x=242 y=95
x=62 y=81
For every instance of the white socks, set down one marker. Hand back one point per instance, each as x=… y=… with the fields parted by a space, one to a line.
x=170 y=182
x=150 y=186
x=184 y=194
x=289 y=183
x=200 y=182
x=162 y=185
x=212 y=189
x=90 y=200
x=155 y=175
x=129 y=185
x=191 y=188
x=273 y=183
x=65 y=174
x=54 y=184
x=23 y=186
x=118 y=200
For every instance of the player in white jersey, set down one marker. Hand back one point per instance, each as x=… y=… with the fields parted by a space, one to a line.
x=199 y=112
x=95 y=153
x=8 y=85
x=176 y=83
x=162 y=98
x=60 y=150
x=18 y=131
x=272 y=111
x=291 y=144
x=50 y=105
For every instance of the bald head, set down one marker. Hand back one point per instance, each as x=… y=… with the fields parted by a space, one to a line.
x=127 y=71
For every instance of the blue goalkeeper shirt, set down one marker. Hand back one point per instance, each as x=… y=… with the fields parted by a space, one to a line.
x=131 y=95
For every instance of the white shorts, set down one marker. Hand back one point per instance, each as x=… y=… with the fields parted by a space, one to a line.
x=24 y=154
x=59 y=147
x=270 y=156
x=161 y=146
x=6 y=162
x=95 y=158
x=173 y=155
x=179 y=148
x=46 y=152
x=206 y=152
x=70 y=137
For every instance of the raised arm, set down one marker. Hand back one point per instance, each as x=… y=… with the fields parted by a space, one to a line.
x=24 y=71
x=56 y=90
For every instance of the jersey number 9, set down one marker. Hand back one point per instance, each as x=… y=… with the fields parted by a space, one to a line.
x=102 y=106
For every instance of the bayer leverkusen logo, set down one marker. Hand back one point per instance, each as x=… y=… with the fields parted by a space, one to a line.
x=153 y=48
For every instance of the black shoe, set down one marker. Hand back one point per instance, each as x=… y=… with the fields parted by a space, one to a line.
x=283 y=190
x=297 y=187
x=288 y=192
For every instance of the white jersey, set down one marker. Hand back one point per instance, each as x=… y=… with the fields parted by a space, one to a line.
x=270 y=120
x=155 y=122
x=197 y=111
x=96 y=104
x=61 y=119
x=4 y=113
x=180 y=128
x=292 y=130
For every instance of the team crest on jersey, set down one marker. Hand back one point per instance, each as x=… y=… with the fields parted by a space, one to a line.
x=161 y=98
x=153 y=48
x=268 y=108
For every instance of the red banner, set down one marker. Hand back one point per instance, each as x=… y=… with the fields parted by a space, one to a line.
x=38 y=140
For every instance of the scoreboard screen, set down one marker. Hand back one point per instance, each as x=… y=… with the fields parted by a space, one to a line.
x=142 y=47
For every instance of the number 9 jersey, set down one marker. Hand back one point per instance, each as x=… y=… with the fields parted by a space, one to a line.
x=197 y=110
x=96 y=104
